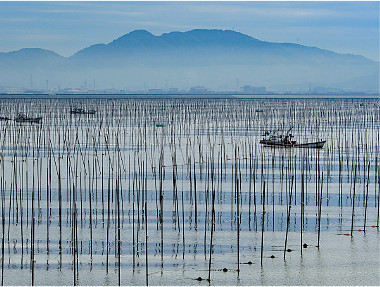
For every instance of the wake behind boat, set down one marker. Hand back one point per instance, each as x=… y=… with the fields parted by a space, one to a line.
x=274 y=140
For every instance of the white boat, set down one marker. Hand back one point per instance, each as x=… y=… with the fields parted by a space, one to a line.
x=275 y=140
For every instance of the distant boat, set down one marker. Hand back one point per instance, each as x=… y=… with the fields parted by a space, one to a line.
x=274 y=140
x=79 y=111
x=22 y=118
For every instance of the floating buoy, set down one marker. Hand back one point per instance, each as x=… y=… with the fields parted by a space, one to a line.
x=272 y=256
x=225 y=269
x=288 y=250
x=249 y=262
x=347 y=234
x=228 y=159
x=304 y=245
x=373 y=226
x=199 y=279
x=360 y=230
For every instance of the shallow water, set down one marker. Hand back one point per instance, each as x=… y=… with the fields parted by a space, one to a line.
x=204 y=148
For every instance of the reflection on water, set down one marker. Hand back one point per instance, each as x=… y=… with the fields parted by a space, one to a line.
x=96 y=199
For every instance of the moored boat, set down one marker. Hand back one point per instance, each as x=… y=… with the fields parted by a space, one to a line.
x=79 y=111
x=22 y=118
x=275 y=140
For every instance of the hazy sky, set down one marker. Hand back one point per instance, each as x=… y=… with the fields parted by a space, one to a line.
x=66 y=27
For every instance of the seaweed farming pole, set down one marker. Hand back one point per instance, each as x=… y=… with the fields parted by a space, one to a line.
x=161 y=176
x=118 y=230
x=378 y=195
x=212 y=219
x=60 y=204
x=353 y=205
x=183 y=222
x=366 y=197
x=237 y=210
x=32 y=227
x=302 y=207
x=288 y=215
x=262 y=227
x=146 y=223
x=3 y=230
x=320 y=211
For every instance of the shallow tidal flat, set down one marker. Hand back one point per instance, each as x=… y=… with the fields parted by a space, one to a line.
x=180 y=192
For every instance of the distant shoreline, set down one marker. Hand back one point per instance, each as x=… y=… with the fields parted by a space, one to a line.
x=188 y=96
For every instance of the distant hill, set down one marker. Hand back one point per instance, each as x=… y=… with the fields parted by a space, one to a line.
x=217 y=59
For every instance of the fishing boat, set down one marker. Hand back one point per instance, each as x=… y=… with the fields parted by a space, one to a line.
x=274 y=140
x=79 y=111
x=22 y=118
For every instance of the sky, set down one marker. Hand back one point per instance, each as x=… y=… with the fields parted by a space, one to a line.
x=66 y=27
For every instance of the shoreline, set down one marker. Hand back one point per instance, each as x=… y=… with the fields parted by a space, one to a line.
x=185 y=96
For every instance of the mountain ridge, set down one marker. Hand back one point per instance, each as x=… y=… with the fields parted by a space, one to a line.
x=208 y=57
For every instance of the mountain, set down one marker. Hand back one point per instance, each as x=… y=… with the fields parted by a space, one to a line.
x=216 y=59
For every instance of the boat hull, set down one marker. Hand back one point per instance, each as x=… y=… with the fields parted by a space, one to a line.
x=306 y=145
x=29 y=120
x=312 y=145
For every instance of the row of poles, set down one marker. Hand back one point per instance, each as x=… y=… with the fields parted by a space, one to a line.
x=163 y=166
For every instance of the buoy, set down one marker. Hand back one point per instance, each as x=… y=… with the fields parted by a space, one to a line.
x=373 y=226
x=360 y=230
x=347 y=234
x=228 y=159
x=249 y=262
x=272 y=256
x=288 y=250
x=304 y=245
x=199 y=279
x=225 y=269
